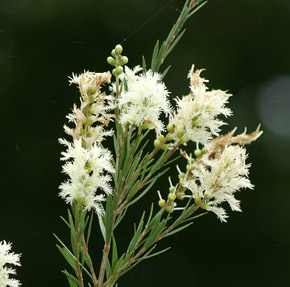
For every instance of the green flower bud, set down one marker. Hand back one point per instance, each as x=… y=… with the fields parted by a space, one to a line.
x=204 y=150
x=119 y=70
x=195 y=123
x=204 y=205
x=171 y=189
x=165 y=146
x=170 y=128
x=111 y=61
x=189 y=167
x=114 y=72
x=181 y=175
x=113 y=53
x=180 y=133
x=118 y=50
x=197 y=200
x=124 y=60
x=146 y=126
x=181 y=141
x=171 y=196
x=180 y=195
x=161 y=138
x=169 y=207
x=169 y=137
x=161 y=202
x=90 y=121
x=198 y=153
x=91 y=91
x=157 y=143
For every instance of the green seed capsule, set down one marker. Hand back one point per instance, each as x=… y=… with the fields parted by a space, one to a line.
x=204 y=205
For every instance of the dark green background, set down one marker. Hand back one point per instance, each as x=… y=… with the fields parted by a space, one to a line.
x=244 y=45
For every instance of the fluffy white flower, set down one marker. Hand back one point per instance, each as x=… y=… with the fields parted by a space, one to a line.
x=196 y=116
x=144 y=101
x=217 y=179
x=88 y=175
x=7 y=257
x=95 y=111
x=90 y=82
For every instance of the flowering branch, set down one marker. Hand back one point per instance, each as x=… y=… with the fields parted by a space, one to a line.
x=215 y=170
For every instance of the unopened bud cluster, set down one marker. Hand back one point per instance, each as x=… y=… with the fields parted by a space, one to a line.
x=117 y=60
x=173 y=194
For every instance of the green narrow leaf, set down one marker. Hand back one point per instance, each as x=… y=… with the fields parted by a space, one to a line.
x=90 y=228
x=71 y=279
x=165 y=72
x=108 y=269
x=154 y=56
x=159 y=59
x=65 y=222
x=88 y=259
x=120 y=217
x=134 y=240
x=114 y=252
x=102 y=227
x=144 y=65
x=156 y=253
x=157 y=229
x=177 y=39
x=133 y=190
x=177 y=229
x=118 y=264
x=68 y=256
x=109 y=218
x=196 y=9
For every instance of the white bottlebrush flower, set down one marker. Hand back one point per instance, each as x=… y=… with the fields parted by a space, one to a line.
x=144 y=101
x=88 y=170
x=95 y=111
x=10 y=258
x=217 y=179
x=196 y=116
x=90 y=82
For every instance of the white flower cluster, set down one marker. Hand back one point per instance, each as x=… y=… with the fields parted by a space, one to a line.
x=87 y=163
x=7 y=257
x=216 y=179
x=95 y=110
x=144 y=101
x=196 y=116
x=87 y=170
